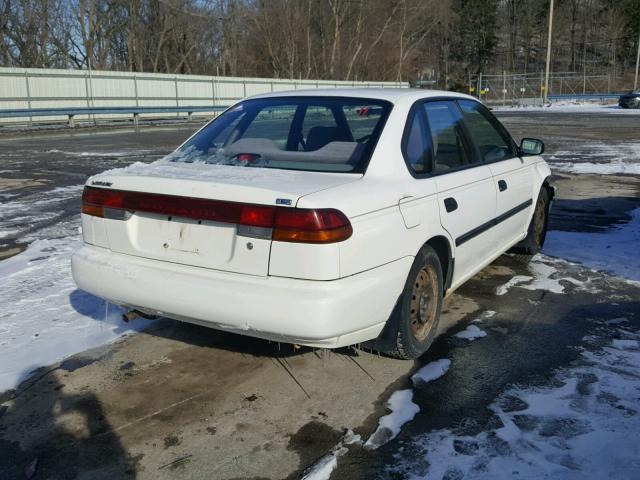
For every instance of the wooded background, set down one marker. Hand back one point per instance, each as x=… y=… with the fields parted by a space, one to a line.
x=396 y=40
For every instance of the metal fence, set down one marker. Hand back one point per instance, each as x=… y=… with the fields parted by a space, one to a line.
x=529 y=88
x=30 y=88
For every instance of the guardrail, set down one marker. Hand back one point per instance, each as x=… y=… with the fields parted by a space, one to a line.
x=71 y=113
x=585 y=96
x=49 y=89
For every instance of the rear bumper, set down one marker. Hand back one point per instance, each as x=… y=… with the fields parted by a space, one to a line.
x=315 y=313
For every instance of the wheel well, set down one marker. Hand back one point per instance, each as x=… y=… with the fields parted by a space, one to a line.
x=551 y=191
x=443 y=249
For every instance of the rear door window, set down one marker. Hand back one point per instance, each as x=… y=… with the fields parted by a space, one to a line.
x=450 y=147
x=489 y=136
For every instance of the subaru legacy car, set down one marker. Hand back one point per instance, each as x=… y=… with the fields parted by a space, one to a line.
x=323 y=218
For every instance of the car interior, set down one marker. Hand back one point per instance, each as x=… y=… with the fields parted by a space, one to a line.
x=316 y=135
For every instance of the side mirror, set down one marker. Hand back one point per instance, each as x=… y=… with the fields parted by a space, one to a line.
x=531 y=146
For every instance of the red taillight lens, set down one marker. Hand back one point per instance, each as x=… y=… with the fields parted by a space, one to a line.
x=256 y=216
x=287 y=224
x=311 y=226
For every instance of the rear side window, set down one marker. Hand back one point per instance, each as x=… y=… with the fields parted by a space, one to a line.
x=487 y=133
x=449 y=146
x=324 y=134
x=417 y=147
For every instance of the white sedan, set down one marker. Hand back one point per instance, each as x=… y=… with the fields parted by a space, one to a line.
x=322 y=218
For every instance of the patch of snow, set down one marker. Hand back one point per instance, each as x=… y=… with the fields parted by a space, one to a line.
x=515 y=280
x=262 y=177
x=20 y=218
x=598 y=158
x=403 y=410
x=540 y=280
x=431 y=371
x=189 y=171
x=617 y=167
x=570 y=107
x=614 y=251
x=471 y=333
x=351 y=438
x=44 y=317
x=486 y=315
x=585 y=424
x=327 y=464
x=625 y=344
x=127 y=153
x=322 y=469
x=8 y=233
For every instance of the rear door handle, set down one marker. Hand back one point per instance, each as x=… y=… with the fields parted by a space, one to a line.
x=450 y=204
x=502 y=185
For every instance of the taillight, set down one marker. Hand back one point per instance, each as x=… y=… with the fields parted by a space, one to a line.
x=278 y=223
x=311 y=225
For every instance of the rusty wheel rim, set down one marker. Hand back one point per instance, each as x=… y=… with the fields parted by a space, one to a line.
x=539 y=221
x=424 y=301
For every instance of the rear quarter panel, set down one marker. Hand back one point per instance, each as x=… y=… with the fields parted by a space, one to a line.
x=379 y=232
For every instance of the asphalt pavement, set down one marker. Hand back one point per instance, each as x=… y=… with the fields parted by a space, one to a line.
x=182 y=401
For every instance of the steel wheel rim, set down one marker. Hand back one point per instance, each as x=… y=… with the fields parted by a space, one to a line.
x=424 y=301
x=539 y=222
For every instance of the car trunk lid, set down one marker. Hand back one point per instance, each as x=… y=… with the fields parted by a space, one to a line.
x=192 y=213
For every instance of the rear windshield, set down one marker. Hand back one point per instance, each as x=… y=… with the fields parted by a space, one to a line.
x=323 y=134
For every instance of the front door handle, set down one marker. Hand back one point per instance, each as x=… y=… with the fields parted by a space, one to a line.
x=450 y=204
x=502 y=185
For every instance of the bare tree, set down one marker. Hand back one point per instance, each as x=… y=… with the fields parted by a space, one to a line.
x=443 y=40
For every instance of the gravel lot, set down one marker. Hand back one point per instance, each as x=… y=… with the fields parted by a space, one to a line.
x=535 y=371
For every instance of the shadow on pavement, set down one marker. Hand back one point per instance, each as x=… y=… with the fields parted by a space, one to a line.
x=57 y=435
x=591 y=214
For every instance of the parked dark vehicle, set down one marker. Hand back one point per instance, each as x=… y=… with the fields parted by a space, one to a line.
x=630 y=100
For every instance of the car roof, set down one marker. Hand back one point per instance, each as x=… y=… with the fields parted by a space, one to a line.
x=392 y=95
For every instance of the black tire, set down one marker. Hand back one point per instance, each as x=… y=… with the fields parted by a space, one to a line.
x=414 y=324
x=537 y=233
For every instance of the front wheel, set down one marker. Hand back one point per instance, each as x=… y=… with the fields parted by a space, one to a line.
x=416 y=322
x=537 y=233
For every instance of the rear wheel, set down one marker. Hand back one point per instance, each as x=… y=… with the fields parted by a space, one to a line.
x=416 y=323
x=534 y=241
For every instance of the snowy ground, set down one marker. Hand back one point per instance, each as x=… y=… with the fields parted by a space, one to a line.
x=44 y=317
x=585 y=424
x=570 y=106
x=598 y=158
x=581 y=422
x=614 y=251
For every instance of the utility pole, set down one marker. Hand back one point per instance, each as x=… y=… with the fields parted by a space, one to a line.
x=635 y=82
x=504 y=88
x=546 y=73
